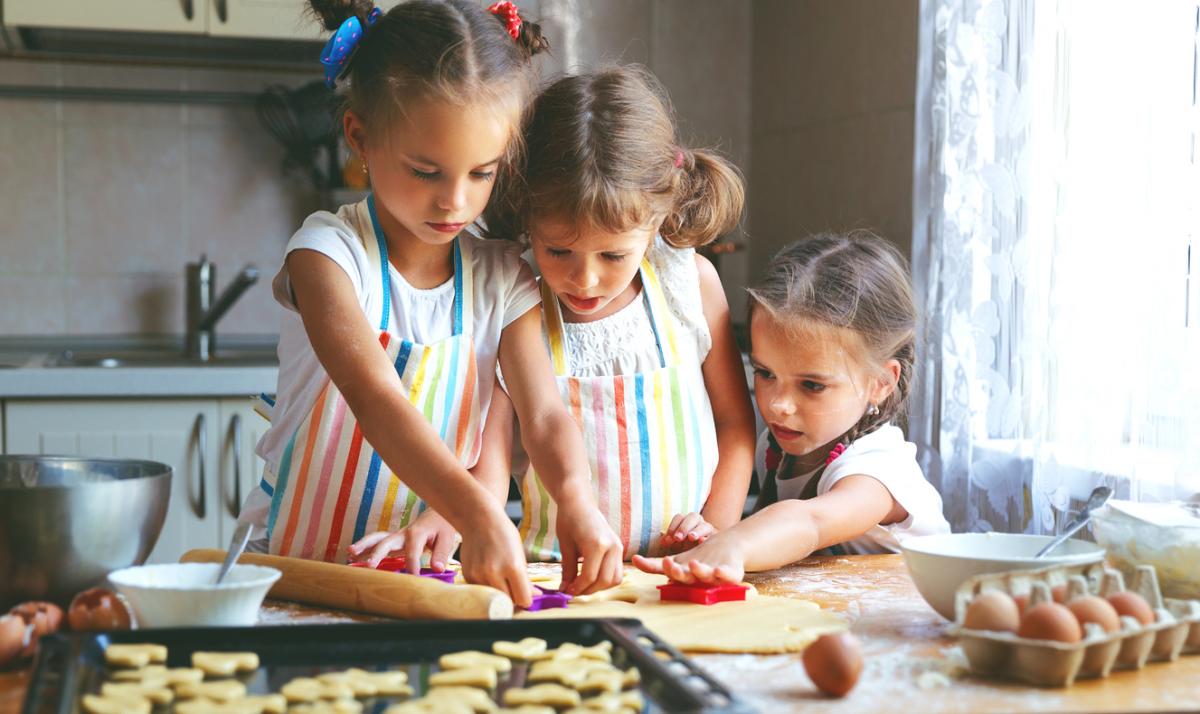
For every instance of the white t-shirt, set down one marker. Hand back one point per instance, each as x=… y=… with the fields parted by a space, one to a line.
x=504 y=290
x=885 y=456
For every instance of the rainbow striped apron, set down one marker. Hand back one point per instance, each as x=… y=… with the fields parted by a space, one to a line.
x=651 y=442
x=332 y=487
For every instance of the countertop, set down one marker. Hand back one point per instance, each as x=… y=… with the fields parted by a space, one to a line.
x=27 y=370
x=911 y=664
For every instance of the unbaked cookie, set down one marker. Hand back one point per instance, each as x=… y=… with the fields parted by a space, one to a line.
x=115 y=705
x=568 y=672
x=134 y=655
x=221 y=690
x=475 y=700
x=527 y=649
x=157 y=674
x=156 y=694
x=472 y=658
x=309 y=689
x=224 y=664
x=482 y=677
x=551 y=695
x=337 y=706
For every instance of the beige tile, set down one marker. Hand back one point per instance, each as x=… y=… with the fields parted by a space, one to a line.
x=142 y=303
x=93 y=113
x=32 y=72
x=239 y=208
x=245 y=80
x=30 y=111
x=125 y=199
x=121 y=76
x=32 y=305
x=31 y=221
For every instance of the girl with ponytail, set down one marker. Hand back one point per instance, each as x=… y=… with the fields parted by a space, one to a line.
x=832 y=331
x=397 y=313
x=613 y=204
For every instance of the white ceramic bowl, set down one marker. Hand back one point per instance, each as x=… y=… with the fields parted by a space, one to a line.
x=938 y=564
x=183 y=594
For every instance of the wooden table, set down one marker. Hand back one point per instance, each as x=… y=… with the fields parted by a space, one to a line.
x=911 y=664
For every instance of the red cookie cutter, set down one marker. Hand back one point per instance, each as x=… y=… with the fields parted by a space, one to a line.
x=702 y=594
x=396 y=565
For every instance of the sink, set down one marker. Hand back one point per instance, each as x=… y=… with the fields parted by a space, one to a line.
x=113 y=359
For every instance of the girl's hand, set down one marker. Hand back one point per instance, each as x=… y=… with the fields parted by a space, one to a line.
x=717 y=560
x=428 y=532
x=584 y=533
x=687 y=530
x=492 y=555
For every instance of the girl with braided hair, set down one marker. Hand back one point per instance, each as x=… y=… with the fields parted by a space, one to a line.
x=832 y=333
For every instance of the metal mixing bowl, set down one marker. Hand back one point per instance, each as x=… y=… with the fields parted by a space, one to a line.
x=66 y=522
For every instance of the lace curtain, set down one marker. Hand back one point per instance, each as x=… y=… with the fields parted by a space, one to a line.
x=1059 y=268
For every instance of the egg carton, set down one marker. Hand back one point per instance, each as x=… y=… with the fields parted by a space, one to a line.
x=1175 y=631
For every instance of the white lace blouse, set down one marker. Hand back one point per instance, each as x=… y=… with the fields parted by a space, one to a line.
x=623 y=343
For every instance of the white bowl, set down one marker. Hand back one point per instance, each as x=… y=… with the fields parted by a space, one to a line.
x=183 y=594
x=938 y=564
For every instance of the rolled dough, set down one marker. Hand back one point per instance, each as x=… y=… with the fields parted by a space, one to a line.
x=758 y=625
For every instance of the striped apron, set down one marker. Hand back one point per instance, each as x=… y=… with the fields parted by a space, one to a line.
x=332 y=487
x=651 y=442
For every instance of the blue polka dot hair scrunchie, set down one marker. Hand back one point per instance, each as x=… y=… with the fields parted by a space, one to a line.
x=341 y=46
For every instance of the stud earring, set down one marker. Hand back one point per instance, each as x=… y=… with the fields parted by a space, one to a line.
x=872 y=410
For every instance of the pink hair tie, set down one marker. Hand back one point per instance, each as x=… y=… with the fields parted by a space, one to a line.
x=678 y=159
x=834 y=453
x=510 y=14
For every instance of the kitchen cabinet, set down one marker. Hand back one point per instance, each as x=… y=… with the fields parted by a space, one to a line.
x=180 y=16
x=251 y=19
x=208 y=442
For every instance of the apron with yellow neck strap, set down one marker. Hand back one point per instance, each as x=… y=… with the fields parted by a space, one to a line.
x=651 y=441
x=332 y=487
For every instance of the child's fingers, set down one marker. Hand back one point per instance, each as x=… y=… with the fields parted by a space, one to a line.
x=414 y=548
x=670 y=534
x=703 y=572
x=677 y=571
x=702 y=531
x=648 y=565
x=688 y=524
x=729 y=573
x=589 y=571
x=368 y=541
x=608 y=574
x=570 y=564
x=519 y=588
x=443 y=548
x=393 y=541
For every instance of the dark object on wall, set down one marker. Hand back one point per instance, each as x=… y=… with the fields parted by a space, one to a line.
x=304 y=121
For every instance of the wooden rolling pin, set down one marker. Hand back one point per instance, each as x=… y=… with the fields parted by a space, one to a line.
x=376 y=592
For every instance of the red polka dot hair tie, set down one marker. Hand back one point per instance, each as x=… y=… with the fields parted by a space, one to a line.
x=510 y=14
x=834 y=453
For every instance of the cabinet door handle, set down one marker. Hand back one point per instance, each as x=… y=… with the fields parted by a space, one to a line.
x=201 y=447
x=235 y=431
x=189 y=9
x=223 y=10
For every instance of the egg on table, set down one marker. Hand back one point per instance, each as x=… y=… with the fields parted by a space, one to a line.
x=1050 y=621
x=833 y=663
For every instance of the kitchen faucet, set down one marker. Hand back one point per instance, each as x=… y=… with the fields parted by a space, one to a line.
x=203 y=312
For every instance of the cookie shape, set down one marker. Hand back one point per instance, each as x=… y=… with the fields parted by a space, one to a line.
x=549 y=695
x=471 y=658
x=115 y=705
x=224 y=664
x=602 y=681
x=310 y=689
x=337 y=706
x=158 y=694
x=159 y=675
x=134 y=655
x=527 y=649
x=482 y=677
x=220 y=690
x=567 y=672
x=475 y=700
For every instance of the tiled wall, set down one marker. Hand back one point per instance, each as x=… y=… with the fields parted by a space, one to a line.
x=832 y=135
x=102 y=204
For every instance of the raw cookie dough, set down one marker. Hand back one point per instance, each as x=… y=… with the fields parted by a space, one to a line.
x=221 y=690
x=156 y=694
x=159 y=674
x=308 y=689
x=339 y=706
x=115 y=705
x=440 y=699
x=224 y=664
x=482 y=677
x=527 y=649
x=758 y=625
x=134 y=655
x=552 y=695
x=471 y=658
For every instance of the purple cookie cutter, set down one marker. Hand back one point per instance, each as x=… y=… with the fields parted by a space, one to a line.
x=548 y=599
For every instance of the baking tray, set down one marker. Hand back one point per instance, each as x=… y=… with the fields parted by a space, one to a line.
x=71 y=665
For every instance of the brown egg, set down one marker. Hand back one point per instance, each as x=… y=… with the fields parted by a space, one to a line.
x=1132 y=604
x=1059 y=593
x=12 y=638
x=97 y=609
x=1022 y=603
x=833 y=663
x=1089 y=608
x=1050 y=621
x=45 y=617
x=995 y=611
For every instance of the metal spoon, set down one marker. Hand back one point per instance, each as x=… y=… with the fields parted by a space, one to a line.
x=241 y=536
x=1099 y=497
